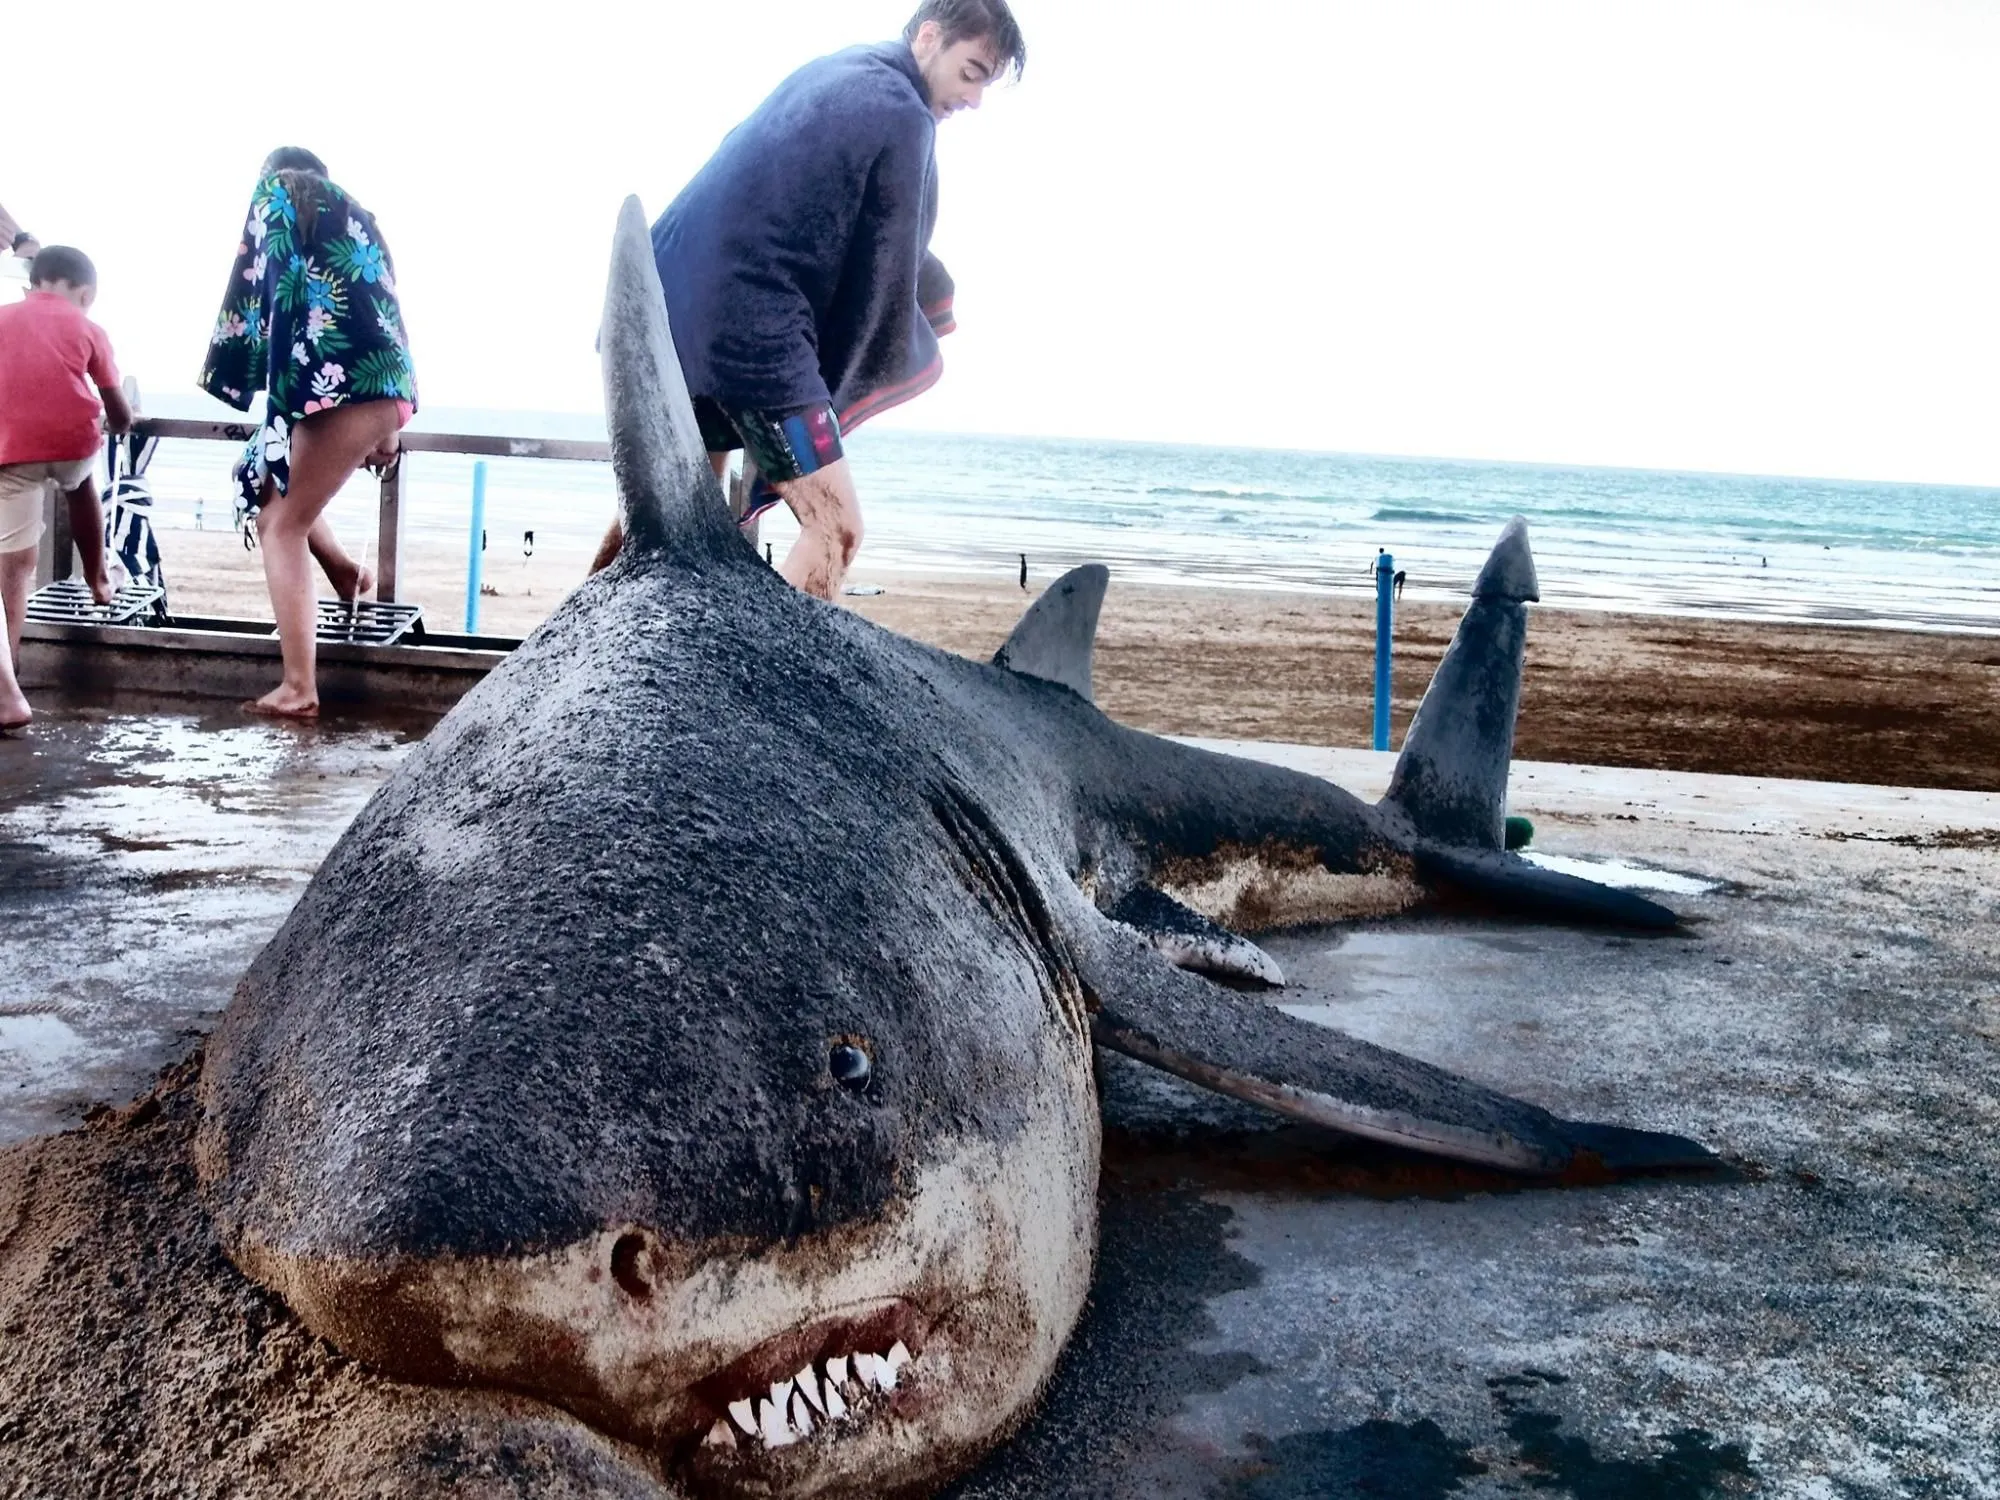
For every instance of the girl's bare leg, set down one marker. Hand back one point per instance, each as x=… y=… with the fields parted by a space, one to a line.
x=17 y=577
x=350 y=579
x=326 y=450
x=614 y=539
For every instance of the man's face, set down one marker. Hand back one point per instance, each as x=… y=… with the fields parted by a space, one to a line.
x=956 y=76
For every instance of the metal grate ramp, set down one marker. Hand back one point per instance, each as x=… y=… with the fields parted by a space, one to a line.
x=367 y=623
x=67 y=602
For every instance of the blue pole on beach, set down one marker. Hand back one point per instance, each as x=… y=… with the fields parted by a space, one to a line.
x=1385 y=617
x=478 y=548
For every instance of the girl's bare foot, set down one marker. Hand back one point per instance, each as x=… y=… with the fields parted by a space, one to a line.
x=361 y=581
x=15 y=713
x=283 y=703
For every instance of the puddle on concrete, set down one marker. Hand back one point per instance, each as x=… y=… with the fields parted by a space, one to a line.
x=1343 y=971
x=34 y=1043
x=179 y=750
x=145 y=856
x=1624 y=874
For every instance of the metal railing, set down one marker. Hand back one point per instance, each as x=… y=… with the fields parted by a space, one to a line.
x=56 y=554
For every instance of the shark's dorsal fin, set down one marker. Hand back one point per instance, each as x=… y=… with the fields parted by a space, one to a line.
x=1451 y=780
x=1057 y=638
x=668 y=496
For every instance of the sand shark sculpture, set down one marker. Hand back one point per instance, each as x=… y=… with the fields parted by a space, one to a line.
x=696 y=1032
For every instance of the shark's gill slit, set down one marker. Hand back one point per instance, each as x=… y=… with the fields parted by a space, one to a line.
x=999 y=876
x=627 y=1253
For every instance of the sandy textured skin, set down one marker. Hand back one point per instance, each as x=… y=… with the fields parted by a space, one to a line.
x=550 y=1082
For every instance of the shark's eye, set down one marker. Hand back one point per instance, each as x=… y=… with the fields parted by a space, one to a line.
x=850 y=1066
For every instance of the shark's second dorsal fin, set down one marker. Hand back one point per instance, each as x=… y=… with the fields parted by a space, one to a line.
x=1057 y=638
x=1452 y=777
x=668 y=496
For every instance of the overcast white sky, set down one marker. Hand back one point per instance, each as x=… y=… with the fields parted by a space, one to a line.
x=1753 y=235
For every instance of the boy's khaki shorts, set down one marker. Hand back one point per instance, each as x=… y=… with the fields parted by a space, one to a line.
x=24 y=491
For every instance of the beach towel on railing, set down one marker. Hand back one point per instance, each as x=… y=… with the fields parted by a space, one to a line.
x=311 y=317
x=128 y=536
x=797 y=263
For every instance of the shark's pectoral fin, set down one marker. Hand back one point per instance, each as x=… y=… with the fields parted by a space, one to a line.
x=1188 y=940
x=1188 y=1027
x=1057 y=638
x=1511 y=882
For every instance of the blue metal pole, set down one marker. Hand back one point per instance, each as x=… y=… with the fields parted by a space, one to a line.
x=1385 y=618
x=478 y=548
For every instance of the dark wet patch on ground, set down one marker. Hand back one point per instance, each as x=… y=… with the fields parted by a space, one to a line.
x=1687 y=1464
x=30 y=870
x=1131 y=1364
x=1390 y=1460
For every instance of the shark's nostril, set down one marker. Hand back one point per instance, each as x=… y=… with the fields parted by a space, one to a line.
x=625 y=1267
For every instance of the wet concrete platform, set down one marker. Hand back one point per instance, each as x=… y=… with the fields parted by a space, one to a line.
x=146 y=855
x=1277 y=1313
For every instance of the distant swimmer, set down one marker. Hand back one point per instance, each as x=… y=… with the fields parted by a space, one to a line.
x=797 y=269
x=1024 y=572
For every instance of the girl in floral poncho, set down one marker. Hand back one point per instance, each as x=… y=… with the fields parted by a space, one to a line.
x=311 y=317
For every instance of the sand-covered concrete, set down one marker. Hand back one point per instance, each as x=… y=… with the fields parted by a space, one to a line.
x=1276 y=1314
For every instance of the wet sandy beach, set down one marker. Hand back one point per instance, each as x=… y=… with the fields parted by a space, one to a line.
x=1666 y=692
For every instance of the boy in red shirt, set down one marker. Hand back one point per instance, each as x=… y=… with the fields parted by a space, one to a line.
x=51 y=433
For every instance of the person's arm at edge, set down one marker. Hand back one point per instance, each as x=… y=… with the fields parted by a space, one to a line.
x=117 y=410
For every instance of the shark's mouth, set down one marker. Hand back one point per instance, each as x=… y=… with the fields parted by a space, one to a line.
x=812 y=1385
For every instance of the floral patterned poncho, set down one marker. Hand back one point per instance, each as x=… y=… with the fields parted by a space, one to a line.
x=310 y=317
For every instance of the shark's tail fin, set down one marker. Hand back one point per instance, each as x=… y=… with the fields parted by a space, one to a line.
x=1451 y=780
x=668 y=497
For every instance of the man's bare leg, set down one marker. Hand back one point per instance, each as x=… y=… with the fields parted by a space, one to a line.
x=17 y=581
x=614 y=539
x=829 y=513
x=86 y=529
x=327 y=448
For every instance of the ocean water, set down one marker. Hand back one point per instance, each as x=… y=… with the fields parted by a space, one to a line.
x=1705 y=544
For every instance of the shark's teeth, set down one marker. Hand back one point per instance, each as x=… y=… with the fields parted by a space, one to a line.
x=808 y=1384
x=799 y=1407
x=777 y=1432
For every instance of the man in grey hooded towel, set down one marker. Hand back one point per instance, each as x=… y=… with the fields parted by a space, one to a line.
x=797 y=268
